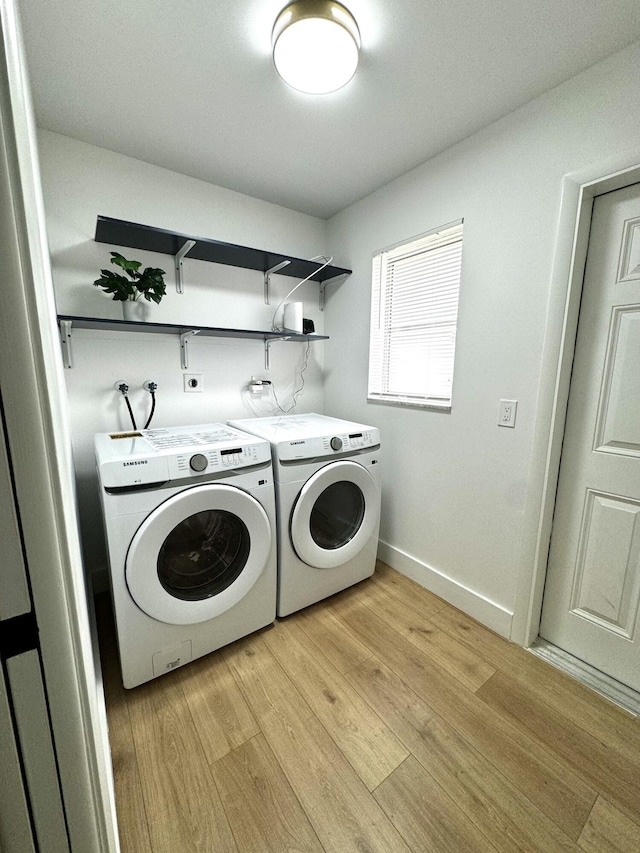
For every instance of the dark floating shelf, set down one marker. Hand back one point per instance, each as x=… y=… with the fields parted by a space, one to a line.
x=69 y=322
x=135 y=236
x=181 y=328
x=121 y=233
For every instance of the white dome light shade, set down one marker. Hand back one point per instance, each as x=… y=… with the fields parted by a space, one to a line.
x=315 y=46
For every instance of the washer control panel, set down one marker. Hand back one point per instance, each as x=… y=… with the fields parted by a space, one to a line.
x=212 y=460
x=152 y=456
x=198 y=462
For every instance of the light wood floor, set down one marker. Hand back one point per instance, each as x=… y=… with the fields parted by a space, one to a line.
x=381 y=719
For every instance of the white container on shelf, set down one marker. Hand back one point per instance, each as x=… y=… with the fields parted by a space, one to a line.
x=292 y=321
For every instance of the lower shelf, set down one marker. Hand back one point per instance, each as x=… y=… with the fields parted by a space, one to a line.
x=185 y=332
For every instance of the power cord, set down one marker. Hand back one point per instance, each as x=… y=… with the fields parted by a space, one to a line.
x=246 y=394
x=294 y=396
x=326 y=263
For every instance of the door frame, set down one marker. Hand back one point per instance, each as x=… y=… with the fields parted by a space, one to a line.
x=579 y=189
x=38 y=439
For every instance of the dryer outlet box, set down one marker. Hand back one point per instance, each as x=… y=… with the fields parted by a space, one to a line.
x=193 y=383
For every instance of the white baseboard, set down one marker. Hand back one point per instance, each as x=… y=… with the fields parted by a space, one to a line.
x=487 y=612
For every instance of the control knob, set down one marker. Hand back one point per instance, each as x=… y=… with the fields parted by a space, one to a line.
x=198 y=462
x=336 y=443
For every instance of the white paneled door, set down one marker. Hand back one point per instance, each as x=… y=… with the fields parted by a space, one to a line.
x=592 y=593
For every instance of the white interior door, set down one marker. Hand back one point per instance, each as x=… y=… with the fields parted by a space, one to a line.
x=592 y=591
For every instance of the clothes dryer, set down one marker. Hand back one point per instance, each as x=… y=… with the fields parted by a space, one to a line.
x=189 y=516
x=327 y=477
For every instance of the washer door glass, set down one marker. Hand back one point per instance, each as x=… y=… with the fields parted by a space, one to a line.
x=335 y=514
x=203 y=555
x=198 y=554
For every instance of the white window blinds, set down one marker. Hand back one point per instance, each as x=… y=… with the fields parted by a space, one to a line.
x=414 y=308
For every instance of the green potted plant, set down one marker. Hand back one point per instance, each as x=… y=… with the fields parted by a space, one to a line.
x=148 y=284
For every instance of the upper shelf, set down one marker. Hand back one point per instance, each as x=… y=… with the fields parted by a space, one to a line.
x=121 y=233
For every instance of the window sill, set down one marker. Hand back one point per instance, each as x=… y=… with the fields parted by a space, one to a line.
x=413 y=404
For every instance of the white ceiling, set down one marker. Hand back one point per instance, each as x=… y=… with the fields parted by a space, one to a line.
x=191 y=86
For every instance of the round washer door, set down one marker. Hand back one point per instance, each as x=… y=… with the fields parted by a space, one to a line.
x=335 y=514
x=198 y=554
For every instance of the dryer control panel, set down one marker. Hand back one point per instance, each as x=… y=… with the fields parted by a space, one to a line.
x=309 y=436
x=327 y=445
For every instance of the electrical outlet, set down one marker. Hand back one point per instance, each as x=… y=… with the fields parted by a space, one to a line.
x=507 y=413
x=256 y=386
x=193 y=383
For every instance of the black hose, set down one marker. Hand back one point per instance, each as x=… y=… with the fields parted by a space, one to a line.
x=133 y=420
x=153 y=408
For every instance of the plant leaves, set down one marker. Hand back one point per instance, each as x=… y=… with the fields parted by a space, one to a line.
x=112 y=283
x=149 y=283
x=130 y=267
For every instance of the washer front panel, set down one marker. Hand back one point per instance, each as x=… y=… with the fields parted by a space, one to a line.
x=142 y=562
x=305 y=539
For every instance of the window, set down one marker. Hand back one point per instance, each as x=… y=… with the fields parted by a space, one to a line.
x=414 y=308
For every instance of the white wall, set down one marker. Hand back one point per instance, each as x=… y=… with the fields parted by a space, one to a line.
x=461 y=495
x=81 y=181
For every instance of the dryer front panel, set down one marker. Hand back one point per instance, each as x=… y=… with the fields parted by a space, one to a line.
x=198 y=554
x=334 y=515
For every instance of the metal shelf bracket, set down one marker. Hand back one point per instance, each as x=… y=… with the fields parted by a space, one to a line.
x=180 y=254
x=323 y=285
x=65 y=340
x=184 y=347
x=267 y=354
x=267 y=278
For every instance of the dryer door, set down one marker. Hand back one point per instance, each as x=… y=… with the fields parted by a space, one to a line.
x=198 y=554
x=335 y=514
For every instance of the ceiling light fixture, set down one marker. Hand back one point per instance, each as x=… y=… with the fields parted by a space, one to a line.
x=315 y=46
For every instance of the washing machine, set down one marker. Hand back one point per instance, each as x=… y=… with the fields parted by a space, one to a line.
x=327 y=478
x=189 y=517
